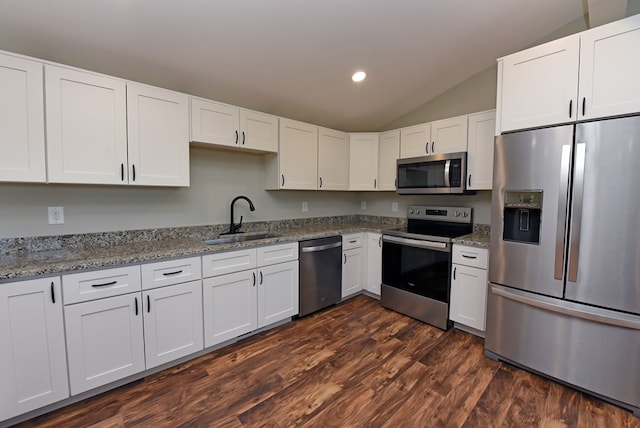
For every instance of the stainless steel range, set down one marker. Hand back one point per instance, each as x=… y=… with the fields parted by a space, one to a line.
x=416 y=262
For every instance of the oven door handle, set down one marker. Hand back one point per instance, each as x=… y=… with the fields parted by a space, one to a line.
x=430 y=245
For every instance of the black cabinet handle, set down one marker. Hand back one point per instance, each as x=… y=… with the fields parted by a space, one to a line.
x=243 y=138
x=469 y=181
x=261 y=278
x=106 y=284
x=320 y=182
x=283 y=179
x=53 y=294
x=395 y=183
x=570 y=108
x=380 y=241
x=426 y=147
x=375 y=183
x=236 y=137
x=136 y=301
x=469 y=257
x=584 y=105
x=353 y=241
x=133 y=167
x=148 y=304
x=454 y=272
x=121 y=172
x=432 y=146
x=345 y=259
x=172 y=273
x=254 y=279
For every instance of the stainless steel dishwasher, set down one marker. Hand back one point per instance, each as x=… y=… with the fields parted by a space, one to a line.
x=320 y=273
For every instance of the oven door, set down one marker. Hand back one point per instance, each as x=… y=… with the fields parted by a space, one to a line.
x=417 y=266
x=432 y=174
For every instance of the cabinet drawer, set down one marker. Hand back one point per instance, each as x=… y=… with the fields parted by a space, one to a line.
x=228 y=262
x=471 y=256
x=353 y=240
x=277 y=254
x=171 y=272
x=83 y=286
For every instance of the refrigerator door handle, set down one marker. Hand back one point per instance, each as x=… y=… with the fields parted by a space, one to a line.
x=548 y=304
x=563 y=195
x=576 y=215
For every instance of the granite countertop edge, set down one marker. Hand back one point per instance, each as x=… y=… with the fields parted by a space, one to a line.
x=476 y=239
x=61 y=261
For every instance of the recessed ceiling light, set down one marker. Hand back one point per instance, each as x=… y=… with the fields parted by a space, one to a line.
x=358 y=76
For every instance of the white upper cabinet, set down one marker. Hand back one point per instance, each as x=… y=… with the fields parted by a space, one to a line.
x=609 y=69
x=540 y=85
x=158 y=130
x=333 y=159
x=389 y=151
x=22 y=150
x=86 y=127
x=480 y=150
x=363 y=161
x=296 y=165
x=449 y=135
x=415 y=141
x=229 y=126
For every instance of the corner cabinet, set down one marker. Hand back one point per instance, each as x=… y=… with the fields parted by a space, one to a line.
x=32 y=346
x=480 y=150
x=102 y=130
x=363 y=161
x=232 y=127
x=333 y=159
x=469 y=287
x=296 y=165
x=22 y=148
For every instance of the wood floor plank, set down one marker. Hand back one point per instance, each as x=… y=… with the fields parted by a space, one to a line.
x=355 y=364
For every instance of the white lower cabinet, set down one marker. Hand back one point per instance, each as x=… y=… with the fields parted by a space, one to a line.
x=33 y=361
x=105 y=341
x=469 y=287
x=172 y=322
x=374 y=263
x=353 y=264
x=258 y=287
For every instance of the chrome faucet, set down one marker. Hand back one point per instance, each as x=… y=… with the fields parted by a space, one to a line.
x=235 y=228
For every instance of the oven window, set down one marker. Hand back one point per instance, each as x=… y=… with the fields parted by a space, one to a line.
x=421 y=175
x=417 y=270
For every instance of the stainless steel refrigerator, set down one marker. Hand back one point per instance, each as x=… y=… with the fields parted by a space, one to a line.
x=564 y=274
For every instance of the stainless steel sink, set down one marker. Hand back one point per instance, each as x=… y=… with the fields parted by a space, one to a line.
x=238 y=237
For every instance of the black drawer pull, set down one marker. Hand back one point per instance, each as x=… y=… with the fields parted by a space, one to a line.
x=172 y=273
x=353 y=241
x=106 y=284
x=469 y=257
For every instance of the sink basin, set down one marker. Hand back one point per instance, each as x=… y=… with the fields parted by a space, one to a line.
x=238 y=237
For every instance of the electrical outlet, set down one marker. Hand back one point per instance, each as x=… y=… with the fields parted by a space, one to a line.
x=394 y=207
x=363 y=205
x=305 y=206
x=56 y=215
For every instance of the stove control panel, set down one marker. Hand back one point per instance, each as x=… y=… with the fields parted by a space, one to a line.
x=449 y=214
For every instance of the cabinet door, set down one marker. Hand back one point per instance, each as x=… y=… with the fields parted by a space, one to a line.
x=539 y=85
x=298 y=155
x=258 y=131
x=230 y=306
x=21 y=120
x=415 y=141
x=449 y=135
x=363 y=161
x=333 y=159
x=480 y=150
x=374 y=263
x=609 y=69
x=172 y=322
x=277 y=292
x=389 y=152
x=352 y=271
x=469 y=296
x=214 y=123
x=158 y=130
x=32 y=352
x=86 y=127
x=105 y=342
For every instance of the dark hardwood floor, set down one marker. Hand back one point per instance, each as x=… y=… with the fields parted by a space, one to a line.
x=353 y=365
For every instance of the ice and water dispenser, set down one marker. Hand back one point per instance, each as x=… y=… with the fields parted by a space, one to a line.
x=522 y=215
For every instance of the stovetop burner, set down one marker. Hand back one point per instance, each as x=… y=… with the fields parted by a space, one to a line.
x=435 y=223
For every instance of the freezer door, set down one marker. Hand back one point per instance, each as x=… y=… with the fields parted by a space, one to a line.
x=604 y=247
x=531 y=161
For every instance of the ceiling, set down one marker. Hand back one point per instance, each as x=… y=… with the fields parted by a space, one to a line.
x=293 y=58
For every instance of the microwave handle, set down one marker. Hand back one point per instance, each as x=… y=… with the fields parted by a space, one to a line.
x=447 y=166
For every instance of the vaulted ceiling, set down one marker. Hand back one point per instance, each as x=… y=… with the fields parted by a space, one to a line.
x=293 y=58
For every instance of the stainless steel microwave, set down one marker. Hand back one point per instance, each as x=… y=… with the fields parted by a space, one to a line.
x=436 y=174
